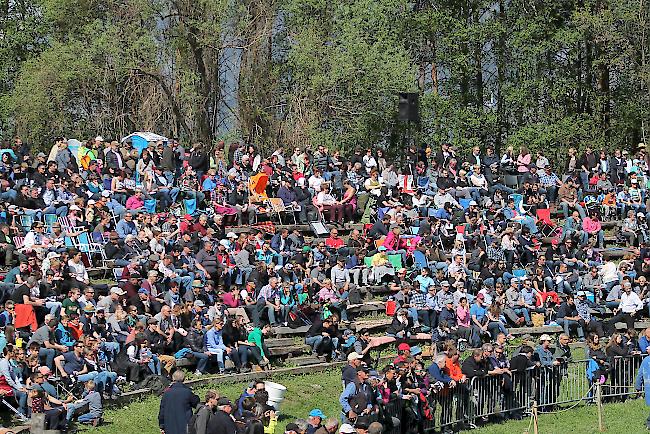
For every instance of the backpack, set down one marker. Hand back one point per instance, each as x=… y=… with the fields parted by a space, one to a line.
x=191 y=425
x=156 y=383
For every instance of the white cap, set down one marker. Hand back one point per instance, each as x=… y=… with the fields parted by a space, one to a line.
x=225 y=243
x=99 y=139
x=473 y=203
x=106 y=193
x=354 y=356
x=231 y=235
x=91 y=202
x=346 y=428
x=75 y=208
x=544 y=337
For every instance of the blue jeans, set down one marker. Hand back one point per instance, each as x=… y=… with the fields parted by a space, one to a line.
x=48 y=354
x=154 y=365
x=21 y=397
x=522 y=311
x=201 y=361
x=110 y=349
x=104 y=381
x=60 y=211
x=314 y=342
x=568 y=323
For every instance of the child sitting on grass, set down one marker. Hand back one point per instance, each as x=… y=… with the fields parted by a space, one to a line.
x=93 y=399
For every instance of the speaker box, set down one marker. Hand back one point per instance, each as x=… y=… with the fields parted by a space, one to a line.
x=408 y=108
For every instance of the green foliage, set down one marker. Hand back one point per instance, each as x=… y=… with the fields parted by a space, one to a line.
x=511 y=73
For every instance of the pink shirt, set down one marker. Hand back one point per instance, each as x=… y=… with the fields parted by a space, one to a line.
x=134 y=203
x=462 y=315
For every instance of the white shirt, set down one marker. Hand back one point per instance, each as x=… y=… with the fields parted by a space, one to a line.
x=630 y=303
x=81 y=274
x=315 y=182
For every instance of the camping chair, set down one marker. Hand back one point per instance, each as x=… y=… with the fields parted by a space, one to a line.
x=547 y=227
x=419 y=260
x=278 y=207
x=190 y=206
x=395 y=261
x=49 y=219
x=511 y=181
x=150 y=205
x=257 y=187
x=26 y=221
x=464 y=203
x=66 y=225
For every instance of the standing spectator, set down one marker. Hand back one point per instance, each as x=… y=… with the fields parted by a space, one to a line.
x=176 y=406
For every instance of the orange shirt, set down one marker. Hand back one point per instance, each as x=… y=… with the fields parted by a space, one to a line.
x=453 y=370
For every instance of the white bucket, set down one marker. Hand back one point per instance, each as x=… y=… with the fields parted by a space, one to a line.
x=276 y=393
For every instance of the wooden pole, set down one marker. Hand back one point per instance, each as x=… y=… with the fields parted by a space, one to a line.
x=535 y=426
x=599 y=406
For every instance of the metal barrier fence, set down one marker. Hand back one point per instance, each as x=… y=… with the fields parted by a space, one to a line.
x=550 y=388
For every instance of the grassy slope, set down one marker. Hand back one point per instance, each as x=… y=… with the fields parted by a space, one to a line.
x=304 y=392
x=321 y=390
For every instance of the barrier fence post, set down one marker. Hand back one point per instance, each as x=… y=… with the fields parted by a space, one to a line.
x=599 y=406
x=535 y=426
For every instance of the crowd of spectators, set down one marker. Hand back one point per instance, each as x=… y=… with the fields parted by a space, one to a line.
x=203 y=272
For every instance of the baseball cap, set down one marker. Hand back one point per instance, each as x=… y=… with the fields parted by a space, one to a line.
x=354 y=356
x=346 y=428
x=382 y=248
x=403 y=347
x=415 y=350
x=317 y=413
x=545 y=337
x=199 y=303
x=473 y=203
x=581 y=294
x=224 y=401
x=89 y=308
x=231 y=235
x=143 y=291
x=444 y=283
x=152 y=320
x=44 y=370
x=117 y=290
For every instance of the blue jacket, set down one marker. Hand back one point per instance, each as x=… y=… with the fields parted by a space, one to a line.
x=124 y=228
x=438 y=374
x=644 y=343
x=214 y=341
x=643 y=379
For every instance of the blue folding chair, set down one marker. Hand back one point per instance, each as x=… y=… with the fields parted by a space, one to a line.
x=190 y=206
x=50 y=219
x=464 y=203
x=419 y=260
x=150 y=205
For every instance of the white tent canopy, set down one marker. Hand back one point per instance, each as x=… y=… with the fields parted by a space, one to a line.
x=145 y=135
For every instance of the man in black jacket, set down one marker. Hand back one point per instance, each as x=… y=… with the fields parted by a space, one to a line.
x=176 y=406
x=222 y=421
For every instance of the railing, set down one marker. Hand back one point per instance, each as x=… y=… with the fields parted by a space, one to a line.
x=513 y=396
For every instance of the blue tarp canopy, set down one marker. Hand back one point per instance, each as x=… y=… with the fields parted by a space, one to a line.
x=141 y=139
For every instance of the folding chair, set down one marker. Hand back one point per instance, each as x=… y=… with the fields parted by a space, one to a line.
x=464 y=203
x=511 y=181
x=278 y=208
x=49 y=219
x=66 y=225
x=190 y=206
x=26 y=221
x=395 y=261
x=150 y=205
x=419 y=259
x=547 y=227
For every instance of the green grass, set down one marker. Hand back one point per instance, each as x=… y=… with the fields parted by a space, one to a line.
x=623 y=418
x=322 y=390
x=304 y=392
